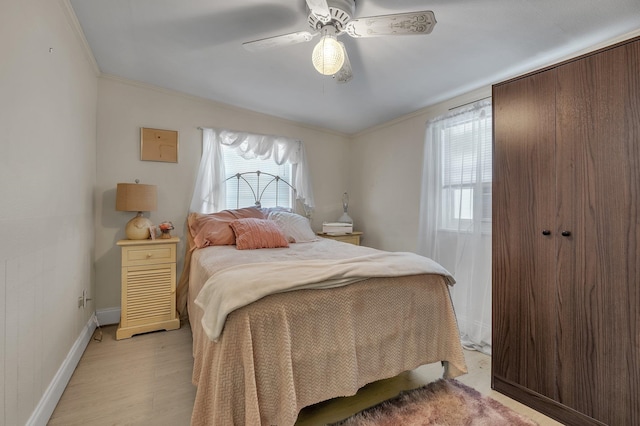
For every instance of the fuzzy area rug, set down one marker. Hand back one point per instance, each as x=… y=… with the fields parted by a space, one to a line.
x=443 y=402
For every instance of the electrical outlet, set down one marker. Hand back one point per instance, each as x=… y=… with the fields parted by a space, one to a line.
x=82 y=300
x=85 y=297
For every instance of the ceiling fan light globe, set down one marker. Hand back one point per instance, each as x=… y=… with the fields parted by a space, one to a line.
x=328 y=55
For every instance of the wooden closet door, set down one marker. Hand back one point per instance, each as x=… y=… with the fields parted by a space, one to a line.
x=524 y=251
x=598 y=167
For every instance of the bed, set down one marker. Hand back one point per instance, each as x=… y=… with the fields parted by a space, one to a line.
x=284 y=326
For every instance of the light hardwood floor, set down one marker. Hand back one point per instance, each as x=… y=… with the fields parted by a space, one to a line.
x=146 y=380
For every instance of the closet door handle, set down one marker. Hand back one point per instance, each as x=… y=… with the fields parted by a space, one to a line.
x=566 y=233
x=546 y=232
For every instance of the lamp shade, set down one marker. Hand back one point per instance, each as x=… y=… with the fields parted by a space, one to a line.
x=136 y=197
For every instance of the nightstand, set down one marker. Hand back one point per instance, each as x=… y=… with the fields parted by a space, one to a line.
x=351 y=238
x=148 y=286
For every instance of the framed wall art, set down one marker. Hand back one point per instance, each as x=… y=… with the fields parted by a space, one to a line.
x=158 y=145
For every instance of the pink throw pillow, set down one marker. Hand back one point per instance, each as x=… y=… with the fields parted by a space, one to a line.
x=252 y=233
x=214 y=230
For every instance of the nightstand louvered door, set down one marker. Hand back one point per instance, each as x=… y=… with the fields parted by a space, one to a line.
x=148 y=287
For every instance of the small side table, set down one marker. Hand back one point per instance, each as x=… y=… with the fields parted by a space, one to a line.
x=351 y=238
x=148 y=286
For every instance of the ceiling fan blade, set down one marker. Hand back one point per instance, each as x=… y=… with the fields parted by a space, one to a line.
x=397 y=24
x=320 y=9
x=345 y=73
x=278 y=41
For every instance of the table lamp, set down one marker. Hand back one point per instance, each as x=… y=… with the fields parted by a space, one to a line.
x=345 y=206
x=136 y=197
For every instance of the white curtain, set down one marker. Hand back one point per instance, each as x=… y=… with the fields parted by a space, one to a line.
x=209 y=193
x=455 y=213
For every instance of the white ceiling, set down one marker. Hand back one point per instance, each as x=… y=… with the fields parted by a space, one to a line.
x=195 y=46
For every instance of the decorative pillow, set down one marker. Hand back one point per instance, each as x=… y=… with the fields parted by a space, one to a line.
x=214 y=230
x=295 y=228
x=267 y=210
x=252 y=233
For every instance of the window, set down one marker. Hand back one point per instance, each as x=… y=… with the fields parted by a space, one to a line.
x=455 y=212
x=239 y=193
x=466 y=147
x=210 y=190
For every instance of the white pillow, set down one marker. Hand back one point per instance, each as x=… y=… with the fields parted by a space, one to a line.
x=295 y=228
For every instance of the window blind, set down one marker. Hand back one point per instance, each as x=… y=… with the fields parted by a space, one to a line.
x=465 y=161
x=466 y=164
x=241 y=194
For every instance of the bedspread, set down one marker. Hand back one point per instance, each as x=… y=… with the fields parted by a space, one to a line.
x=237 y=286
x=290 y=350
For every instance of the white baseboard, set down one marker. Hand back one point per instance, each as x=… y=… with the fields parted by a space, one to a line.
x=51 y=396
x=108 y=316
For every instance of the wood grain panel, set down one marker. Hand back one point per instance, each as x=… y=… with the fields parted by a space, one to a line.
x=523 y=258
x=596 y=295
x=544 y=404
x=598 y=138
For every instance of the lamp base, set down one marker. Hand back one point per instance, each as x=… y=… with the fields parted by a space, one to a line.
x=138 y=228
x=345 y=218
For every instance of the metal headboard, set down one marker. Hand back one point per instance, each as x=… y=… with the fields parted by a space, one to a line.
x=257 y=192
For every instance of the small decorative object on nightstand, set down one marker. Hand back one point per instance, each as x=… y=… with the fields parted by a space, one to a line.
x=148 y=286
x=351 y=238
x=345 y=218
x=165 y=229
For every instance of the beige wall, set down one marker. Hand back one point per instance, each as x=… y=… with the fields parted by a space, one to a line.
x=47 y=175
x=125 y=106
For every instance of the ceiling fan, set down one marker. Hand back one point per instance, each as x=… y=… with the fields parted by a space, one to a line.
x=331 y=18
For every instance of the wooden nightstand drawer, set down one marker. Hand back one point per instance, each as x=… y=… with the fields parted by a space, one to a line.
x=132 y=256
x=352 y=238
